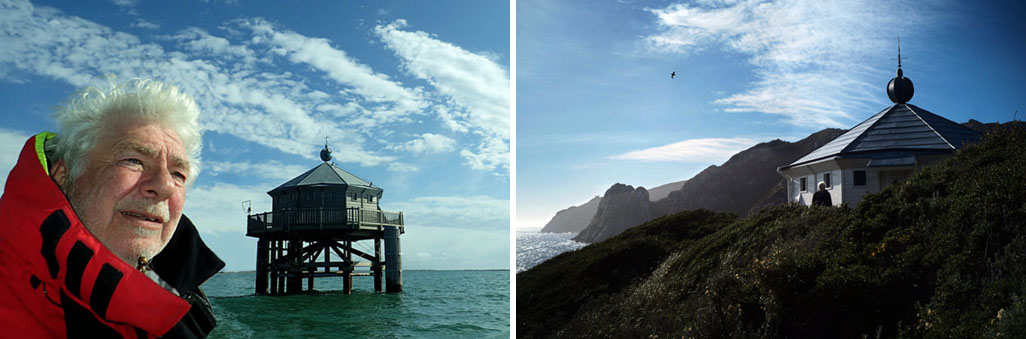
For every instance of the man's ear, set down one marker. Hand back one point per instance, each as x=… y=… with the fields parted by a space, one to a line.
x=59 y=173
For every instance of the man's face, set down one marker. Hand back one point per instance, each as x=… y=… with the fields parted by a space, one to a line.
x=131 y=192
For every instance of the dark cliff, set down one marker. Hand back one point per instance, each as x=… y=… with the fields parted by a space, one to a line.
x=745 y=183
x=573 y=219
x=621 y=207
x=576 y=218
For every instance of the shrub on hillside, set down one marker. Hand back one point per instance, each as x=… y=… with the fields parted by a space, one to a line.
x=939 y=255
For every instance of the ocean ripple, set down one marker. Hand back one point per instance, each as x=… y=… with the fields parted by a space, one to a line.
x=534 y=248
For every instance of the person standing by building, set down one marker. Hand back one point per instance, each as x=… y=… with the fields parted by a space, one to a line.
x=822 y=197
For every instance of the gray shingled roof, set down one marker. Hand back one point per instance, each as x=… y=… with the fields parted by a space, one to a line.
x=325 y=174
x=897 y=131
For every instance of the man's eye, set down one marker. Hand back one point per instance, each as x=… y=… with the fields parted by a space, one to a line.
x=133 y=161
x=179 y=175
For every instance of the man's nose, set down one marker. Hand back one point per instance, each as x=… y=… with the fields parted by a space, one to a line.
x=158 y=183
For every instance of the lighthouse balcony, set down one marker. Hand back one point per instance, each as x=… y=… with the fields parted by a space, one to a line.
x=322 y=219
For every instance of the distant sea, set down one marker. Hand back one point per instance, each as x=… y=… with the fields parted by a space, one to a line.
x=535 y=247
x=433 y=304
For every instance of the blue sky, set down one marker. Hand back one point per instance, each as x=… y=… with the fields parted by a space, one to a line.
x=596 y=105
x=414 y=96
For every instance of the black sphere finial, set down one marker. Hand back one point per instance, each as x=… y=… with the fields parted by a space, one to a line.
x=900 y=89
x=326 y=152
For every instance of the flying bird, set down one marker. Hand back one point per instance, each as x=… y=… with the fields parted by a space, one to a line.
x=673 y=74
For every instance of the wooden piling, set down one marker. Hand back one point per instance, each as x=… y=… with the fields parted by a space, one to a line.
x=262 y=274
x=376 y=265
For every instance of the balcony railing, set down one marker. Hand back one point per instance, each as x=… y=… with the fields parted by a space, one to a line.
x=322 y=219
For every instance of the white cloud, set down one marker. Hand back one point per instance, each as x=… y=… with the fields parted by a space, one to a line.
x=219 y=207
x=273 y=170
x=125 y=3
x=396 y=101
x=810 y=58
x=478 y=212
x=140 y=23
x=709 y=150
x=402 y=167
x=438 y=247
x=199 y=41
x=245 y=90
x=11 y=142
x=273 y=110
x=491 y=153
x=476 y=87
x=427 y=143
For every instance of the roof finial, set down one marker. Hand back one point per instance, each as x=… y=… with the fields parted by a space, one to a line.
x=900 y=88
x=899 y=52
x=326 y=152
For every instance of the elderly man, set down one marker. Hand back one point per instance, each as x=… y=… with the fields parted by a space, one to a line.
x=822 y=197
x=92 y=237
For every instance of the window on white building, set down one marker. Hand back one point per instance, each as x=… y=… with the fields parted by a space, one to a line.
x=860 y=178
x=801 y=184
x=826 y=179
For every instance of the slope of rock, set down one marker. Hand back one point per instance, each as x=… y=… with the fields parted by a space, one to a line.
x=747 y=182
x=662 y=191
x=573 y=219
x=622 y=206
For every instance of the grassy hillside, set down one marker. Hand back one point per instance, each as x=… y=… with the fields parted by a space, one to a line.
x=941 y=255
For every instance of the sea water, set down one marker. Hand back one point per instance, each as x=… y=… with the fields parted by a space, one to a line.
x=535 y=247
x=433 y=304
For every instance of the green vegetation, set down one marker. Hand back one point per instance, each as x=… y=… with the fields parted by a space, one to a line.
x=940 y=255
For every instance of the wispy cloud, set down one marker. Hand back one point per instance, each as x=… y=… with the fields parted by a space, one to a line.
x=236 y=98
x=477 y=87
x=246 y=90
x=435 y=247
x=273 y=170
x=11 y=142
x=125 y=3
x=810 y=58
x=427 y=143
x=709 y=150
x=396 y=101
x=219 y=207
x=402 y=167
x=140 y=23
x=199 y=42
x=477 y=212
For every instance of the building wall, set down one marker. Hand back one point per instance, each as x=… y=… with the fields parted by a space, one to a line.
x=813 y=174
x=843 y=189
x=853 y=194
x=356 y=197
x=836 y=189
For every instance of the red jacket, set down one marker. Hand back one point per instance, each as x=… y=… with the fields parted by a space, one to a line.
x=58 y=280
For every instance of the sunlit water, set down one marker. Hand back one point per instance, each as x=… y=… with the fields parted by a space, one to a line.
x=433 y=304
x=535 y=247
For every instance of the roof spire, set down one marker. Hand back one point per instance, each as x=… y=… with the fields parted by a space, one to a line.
x=899 y=52
x=900 y=88
x=326 y=152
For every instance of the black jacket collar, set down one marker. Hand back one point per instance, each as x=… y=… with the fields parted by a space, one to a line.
x=186 y=262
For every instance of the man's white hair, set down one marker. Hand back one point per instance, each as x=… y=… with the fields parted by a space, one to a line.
x=89 y=113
